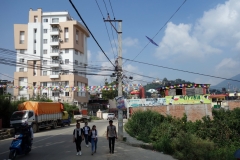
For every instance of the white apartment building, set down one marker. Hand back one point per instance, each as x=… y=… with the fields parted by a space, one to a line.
x=51 y=51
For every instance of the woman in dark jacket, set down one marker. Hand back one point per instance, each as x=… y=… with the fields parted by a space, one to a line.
x=78 y=137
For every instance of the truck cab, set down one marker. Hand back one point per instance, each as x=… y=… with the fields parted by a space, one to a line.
x=81 y=116
x=20 y=117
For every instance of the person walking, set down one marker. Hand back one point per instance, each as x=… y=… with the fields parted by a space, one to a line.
x=77 y=138
x=94 y=139
x=111 y=136
x=86 y=131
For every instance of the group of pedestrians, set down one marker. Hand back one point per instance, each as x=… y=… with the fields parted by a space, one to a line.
x=91 y=136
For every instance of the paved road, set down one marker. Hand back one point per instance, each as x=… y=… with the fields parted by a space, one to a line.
x=57 y=144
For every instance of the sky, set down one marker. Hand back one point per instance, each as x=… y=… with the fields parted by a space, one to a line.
x=203 y=36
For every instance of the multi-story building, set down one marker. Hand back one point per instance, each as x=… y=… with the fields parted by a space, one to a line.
x=51 y=52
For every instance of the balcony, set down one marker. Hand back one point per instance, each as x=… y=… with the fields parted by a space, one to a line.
x=54 y=42
x=54 y=54
x=54 y=31
x=54 y=76
x=54 y=63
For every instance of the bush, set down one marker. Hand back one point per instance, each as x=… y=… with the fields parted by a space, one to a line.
x=188 y=146
x=141 y=124
x=6 y=109
x=205 y=139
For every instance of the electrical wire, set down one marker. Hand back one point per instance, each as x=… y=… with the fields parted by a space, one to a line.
x=159 y=30
x=180 y=70
x=114 y=55
x=90 y=31
x=112 y=12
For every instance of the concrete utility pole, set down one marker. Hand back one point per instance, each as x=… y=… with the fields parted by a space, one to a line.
x=119 y=74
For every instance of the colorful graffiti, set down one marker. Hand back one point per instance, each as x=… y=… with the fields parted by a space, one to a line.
x=184 y=99
x=145 y=102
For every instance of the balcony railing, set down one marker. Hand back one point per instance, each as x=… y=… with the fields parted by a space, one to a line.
x=55 y=62
x=55 y=29
x=55 y=51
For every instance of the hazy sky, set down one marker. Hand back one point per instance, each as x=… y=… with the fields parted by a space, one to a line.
x=202 y=37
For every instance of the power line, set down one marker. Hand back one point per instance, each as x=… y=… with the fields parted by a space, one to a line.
x=106 y=6
x=180 y=70
x=114 y=55
x=159 y=30
x=90 y=32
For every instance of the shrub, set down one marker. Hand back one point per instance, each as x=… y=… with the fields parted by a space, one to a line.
x=141 y=124
x=188 y=146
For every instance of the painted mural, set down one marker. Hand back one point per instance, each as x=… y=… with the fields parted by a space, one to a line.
x=145 y=102
x=184 y=99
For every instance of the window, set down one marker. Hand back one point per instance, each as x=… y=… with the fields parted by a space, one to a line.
x=76 y=62
x=66 y=83
x=45 y=20
x=76 y=52
x=21 y=60
x=66 y=61
x=44 y=84
x=22 y=51
x=22 y=37
x=35 y=19
x=66 y=50
x=35 y=41
x=66 y=39
x=55 y=94
x=66 y=72
x=34 y=83
x=77 y=36
x=35 y=62
x=44 y=74
x=44 y=61
x=45 y=31
x=44 y=94
x=21 y=69
x=35 y=51
x=66 y=30
x=55 y=20
x=21 y=79
x=44 y=51
x=66 y=94
x=45 y=41
x=35 y=30
x=30 y=114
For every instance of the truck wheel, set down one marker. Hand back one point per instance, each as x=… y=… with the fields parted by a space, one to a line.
x=54 y=125
x=35 y=128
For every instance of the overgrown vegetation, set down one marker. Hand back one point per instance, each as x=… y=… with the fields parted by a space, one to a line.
x=208 y=139
x=6 y=109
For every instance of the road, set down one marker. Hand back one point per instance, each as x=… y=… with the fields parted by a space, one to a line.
x=57 y=144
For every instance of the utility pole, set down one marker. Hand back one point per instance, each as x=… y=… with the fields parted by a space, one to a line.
x=119 y=73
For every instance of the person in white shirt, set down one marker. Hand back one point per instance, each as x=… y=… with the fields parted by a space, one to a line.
x=86 y=131
x=94 y=139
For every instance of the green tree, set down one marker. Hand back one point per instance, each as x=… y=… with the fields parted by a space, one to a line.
x=40 y=98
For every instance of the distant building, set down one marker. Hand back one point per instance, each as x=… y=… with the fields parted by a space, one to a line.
x=51 y=49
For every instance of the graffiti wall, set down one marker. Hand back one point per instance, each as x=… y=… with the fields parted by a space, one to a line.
x=184 y=99
x=145 y=102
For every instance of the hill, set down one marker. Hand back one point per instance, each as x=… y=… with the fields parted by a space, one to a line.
x=225 y=83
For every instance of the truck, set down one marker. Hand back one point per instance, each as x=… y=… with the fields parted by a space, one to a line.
x=81 y=115
x=40 y=115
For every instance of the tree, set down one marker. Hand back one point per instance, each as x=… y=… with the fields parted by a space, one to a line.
x=40 y=98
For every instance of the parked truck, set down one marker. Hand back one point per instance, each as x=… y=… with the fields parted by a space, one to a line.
x=40 y=115
x=81 y=115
